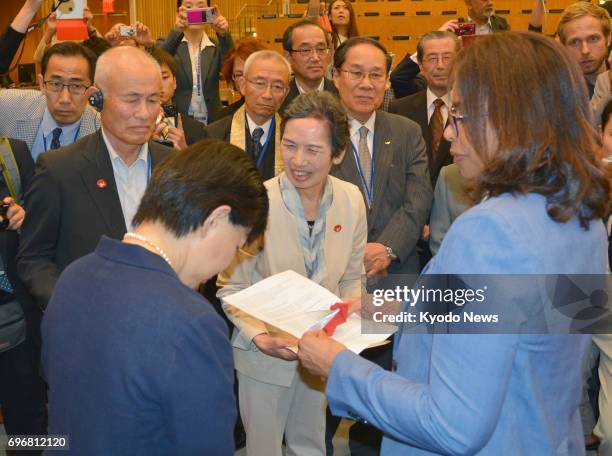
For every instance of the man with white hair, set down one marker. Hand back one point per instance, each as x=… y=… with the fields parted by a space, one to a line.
x=93 y=187
x=255 y=126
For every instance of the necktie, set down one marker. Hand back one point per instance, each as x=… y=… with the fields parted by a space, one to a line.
x=256 y=136
x=55 y=143
x=365 y=159
x=436 y=127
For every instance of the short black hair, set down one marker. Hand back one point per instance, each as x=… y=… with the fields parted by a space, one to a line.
x=163 y=58
x=97 y=45
x=323 y=106
x=70 y=49
x=288 y=35
x=188 y=186
x=340 y=53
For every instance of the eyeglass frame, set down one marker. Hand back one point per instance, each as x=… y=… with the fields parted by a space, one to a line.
x=257 y=85
x=307 y=52
x=456 y=117
x=363 y=75
x=61 y=89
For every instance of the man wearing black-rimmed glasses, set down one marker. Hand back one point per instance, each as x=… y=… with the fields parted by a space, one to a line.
x=307 y=48
x=58 y=115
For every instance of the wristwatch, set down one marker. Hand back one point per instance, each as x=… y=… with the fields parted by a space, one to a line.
x=391 y=253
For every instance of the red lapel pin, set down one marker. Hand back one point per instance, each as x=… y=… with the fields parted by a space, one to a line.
x=101 y=183
x=338 y=228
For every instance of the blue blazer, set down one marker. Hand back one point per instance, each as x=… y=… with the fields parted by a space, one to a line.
x=493 y=394
x=137 y=363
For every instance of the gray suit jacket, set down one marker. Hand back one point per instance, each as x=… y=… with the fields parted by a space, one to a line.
x=450 y=201
x=402 y=191
x=21 y=112
x=211 y=61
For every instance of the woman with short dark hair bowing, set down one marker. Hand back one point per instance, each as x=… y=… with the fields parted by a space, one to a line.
x=316 y=227
x=521 y=131
x=136 y=360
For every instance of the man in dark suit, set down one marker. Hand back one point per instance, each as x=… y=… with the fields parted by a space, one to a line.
x=187 y=131
x=306 y=47
x=93 y=187
x=197 y=92
x=429 y=108
x=22 y=391
x=255 y=126
x=436 y=53
x=388 y=162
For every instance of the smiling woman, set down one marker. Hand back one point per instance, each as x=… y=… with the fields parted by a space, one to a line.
x=316 y=227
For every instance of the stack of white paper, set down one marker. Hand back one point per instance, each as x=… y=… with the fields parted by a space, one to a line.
x=295 y=304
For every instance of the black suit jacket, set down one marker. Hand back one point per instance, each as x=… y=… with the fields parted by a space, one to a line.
x=328 y=86
x=71 y=203
x=212 y=58
x=221 y=129
x=414 y=107
x=499 y=24
x=9 y=240
x=193 y=129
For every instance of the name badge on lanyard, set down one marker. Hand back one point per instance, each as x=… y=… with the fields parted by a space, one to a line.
x=367 y=186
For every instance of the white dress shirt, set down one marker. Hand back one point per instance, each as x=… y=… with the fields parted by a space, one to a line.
x=131 y=180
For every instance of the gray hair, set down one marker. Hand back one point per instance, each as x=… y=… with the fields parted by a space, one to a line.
x=436 y=35
x=267 y=54
x=107 y=63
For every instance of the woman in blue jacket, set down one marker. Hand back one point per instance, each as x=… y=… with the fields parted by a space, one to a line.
x=521 y=131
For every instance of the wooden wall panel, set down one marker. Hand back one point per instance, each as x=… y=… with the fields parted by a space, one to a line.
x=158 y=15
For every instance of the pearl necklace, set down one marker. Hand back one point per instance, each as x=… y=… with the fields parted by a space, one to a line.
x=155 y=247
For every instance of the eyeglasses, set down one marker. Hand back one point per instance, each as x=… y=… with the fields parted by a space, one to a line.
x=237 y=76
x=434 y=59
x=277 y=88
x=456 y=118
x=74 y=88
x=306 y=52
x=356 y=75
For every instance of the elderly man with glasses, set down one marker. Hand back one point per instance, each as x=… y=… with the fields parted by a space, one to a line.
x=58 y=115
x=307 y=48
x=255 y=126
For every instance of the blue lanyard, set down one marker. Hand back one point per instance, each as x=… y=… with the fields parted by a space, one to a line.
x=149 y=166
x=199 y=69
x=369 y=189
x=73 y=139
x=267 y=143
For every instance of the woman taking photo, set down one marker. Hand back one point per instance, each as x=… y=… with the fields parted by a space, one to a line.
x=316 y=227
x=522 y=133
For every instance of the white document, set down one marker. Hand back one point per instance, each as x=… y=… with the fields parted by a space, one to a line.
x=295 y=304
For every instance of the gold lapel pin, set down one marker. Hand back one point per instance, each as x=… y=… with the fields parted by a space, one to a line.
x=387 y=141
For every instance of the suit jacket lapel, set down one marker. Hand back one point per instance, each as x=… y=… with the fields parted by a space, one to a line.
x=183 y=53
x=205 y=63
x=348 y=171
x=99 y=180
x=383 y=156
x=422 y=114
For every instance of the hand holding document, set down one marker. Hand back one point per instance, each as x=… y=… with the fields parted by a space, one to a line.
x=296 y=305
